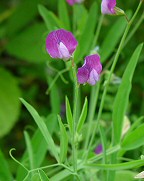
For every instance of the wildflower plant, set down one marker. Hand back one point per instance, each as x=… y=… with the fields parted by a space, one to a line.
x=86 y=144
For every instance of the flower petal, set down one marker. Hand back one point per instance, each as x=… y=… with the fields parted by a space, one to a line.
x=63 y=51
x=82 y=75
x=93 y=62
x=107 y=6
x=93 y=77
x=60 y=36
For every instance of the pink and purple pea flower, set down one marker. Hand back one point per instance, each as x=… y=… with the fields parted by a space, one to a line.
x=108 y=6
x=72 y=2
x=90 y=71
x=61 y=44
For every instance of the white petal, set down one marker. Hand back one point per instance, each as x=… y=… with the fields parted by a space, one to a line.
x=93 y=77
x=63 y=51
x=140 y=175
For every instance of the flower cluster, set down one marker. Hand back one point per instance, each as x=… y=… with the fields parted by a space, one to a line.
x=61 y=44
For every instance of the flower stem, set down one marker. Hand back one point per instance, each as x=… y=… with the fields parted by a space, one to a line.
x=111 y=72
x=97 y=31
x=74 y=117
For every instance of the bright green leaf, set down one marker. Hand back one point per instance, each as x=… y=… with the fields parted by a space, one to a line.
x=51 y=21
x=82 y=116
x=42 y=126
x=4 y=170
x=43 y=176
x=87 y=34
x=63 y=14
x=63 y=141
x=9 y=102
x=69 y=115
x=134 y=139
x=122 y=97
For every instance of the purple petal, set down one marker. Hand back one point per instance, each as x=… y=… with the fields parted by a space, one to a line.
x=93 y=77
x=99 y=149
x=93 y=62
x=82 y=75
x=71 y=2
x=60 y=36
x=107 y=6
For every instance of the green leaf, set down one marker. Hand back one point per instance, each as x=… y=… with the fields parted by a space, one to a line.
x=4 y=170
x=112 y=38
x=63 y=141
x=81 y=12
x=9 y=101
x=119 y=166
x=125 y=175
x=29 y=149
x=134 y=139
x=82 y=116
x=87 y=34
x=63 y=14
x=42 y=126
x=122 y=97
x=43 y=176
x=69 y=115
x=51 y=21
x=29 y=45
x=39 y=146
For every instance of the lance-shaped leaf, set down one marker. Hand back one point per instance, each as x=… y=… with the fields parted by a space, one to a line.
x=42 y=126
x=63 y=141
x=122 y=97
x=69 y=115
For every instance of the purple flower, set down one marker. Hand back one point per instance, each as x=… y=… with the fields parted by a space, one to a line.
x=108 y=6
x=61 y=44
x=90 y=71
x=72 y=2
x=99 y=149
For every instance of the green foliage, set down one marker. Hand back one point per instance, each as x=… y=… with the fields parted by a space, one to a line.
x=63 y=141
x=9 y=103
x=42 y=126
x=5 y=173
x=122 y=97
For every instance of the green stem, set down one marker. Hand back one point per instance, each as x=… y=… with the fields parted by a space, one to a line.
x=111 y=72
x=92 y=107
x=97 y=31
x=74 y=118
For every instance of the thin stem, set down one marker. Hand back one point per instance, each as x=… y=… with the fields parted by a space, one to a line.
x=97 y=31
x=93 y=102
x=74 y=117
x=134 y=29
x=111 y=72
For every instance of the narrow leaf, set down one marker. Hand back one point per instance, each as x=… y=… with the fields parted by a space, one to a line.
x=112 y=38
x=63 y=141
x=43 y=176
x=87 y=34
x=42 y=126
x=134 y=139
x=82 y=116
x=63 y=14
x=5 y=173
x=29 y=149
x=50 y=19
x=122 y=97
x=69 y=115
